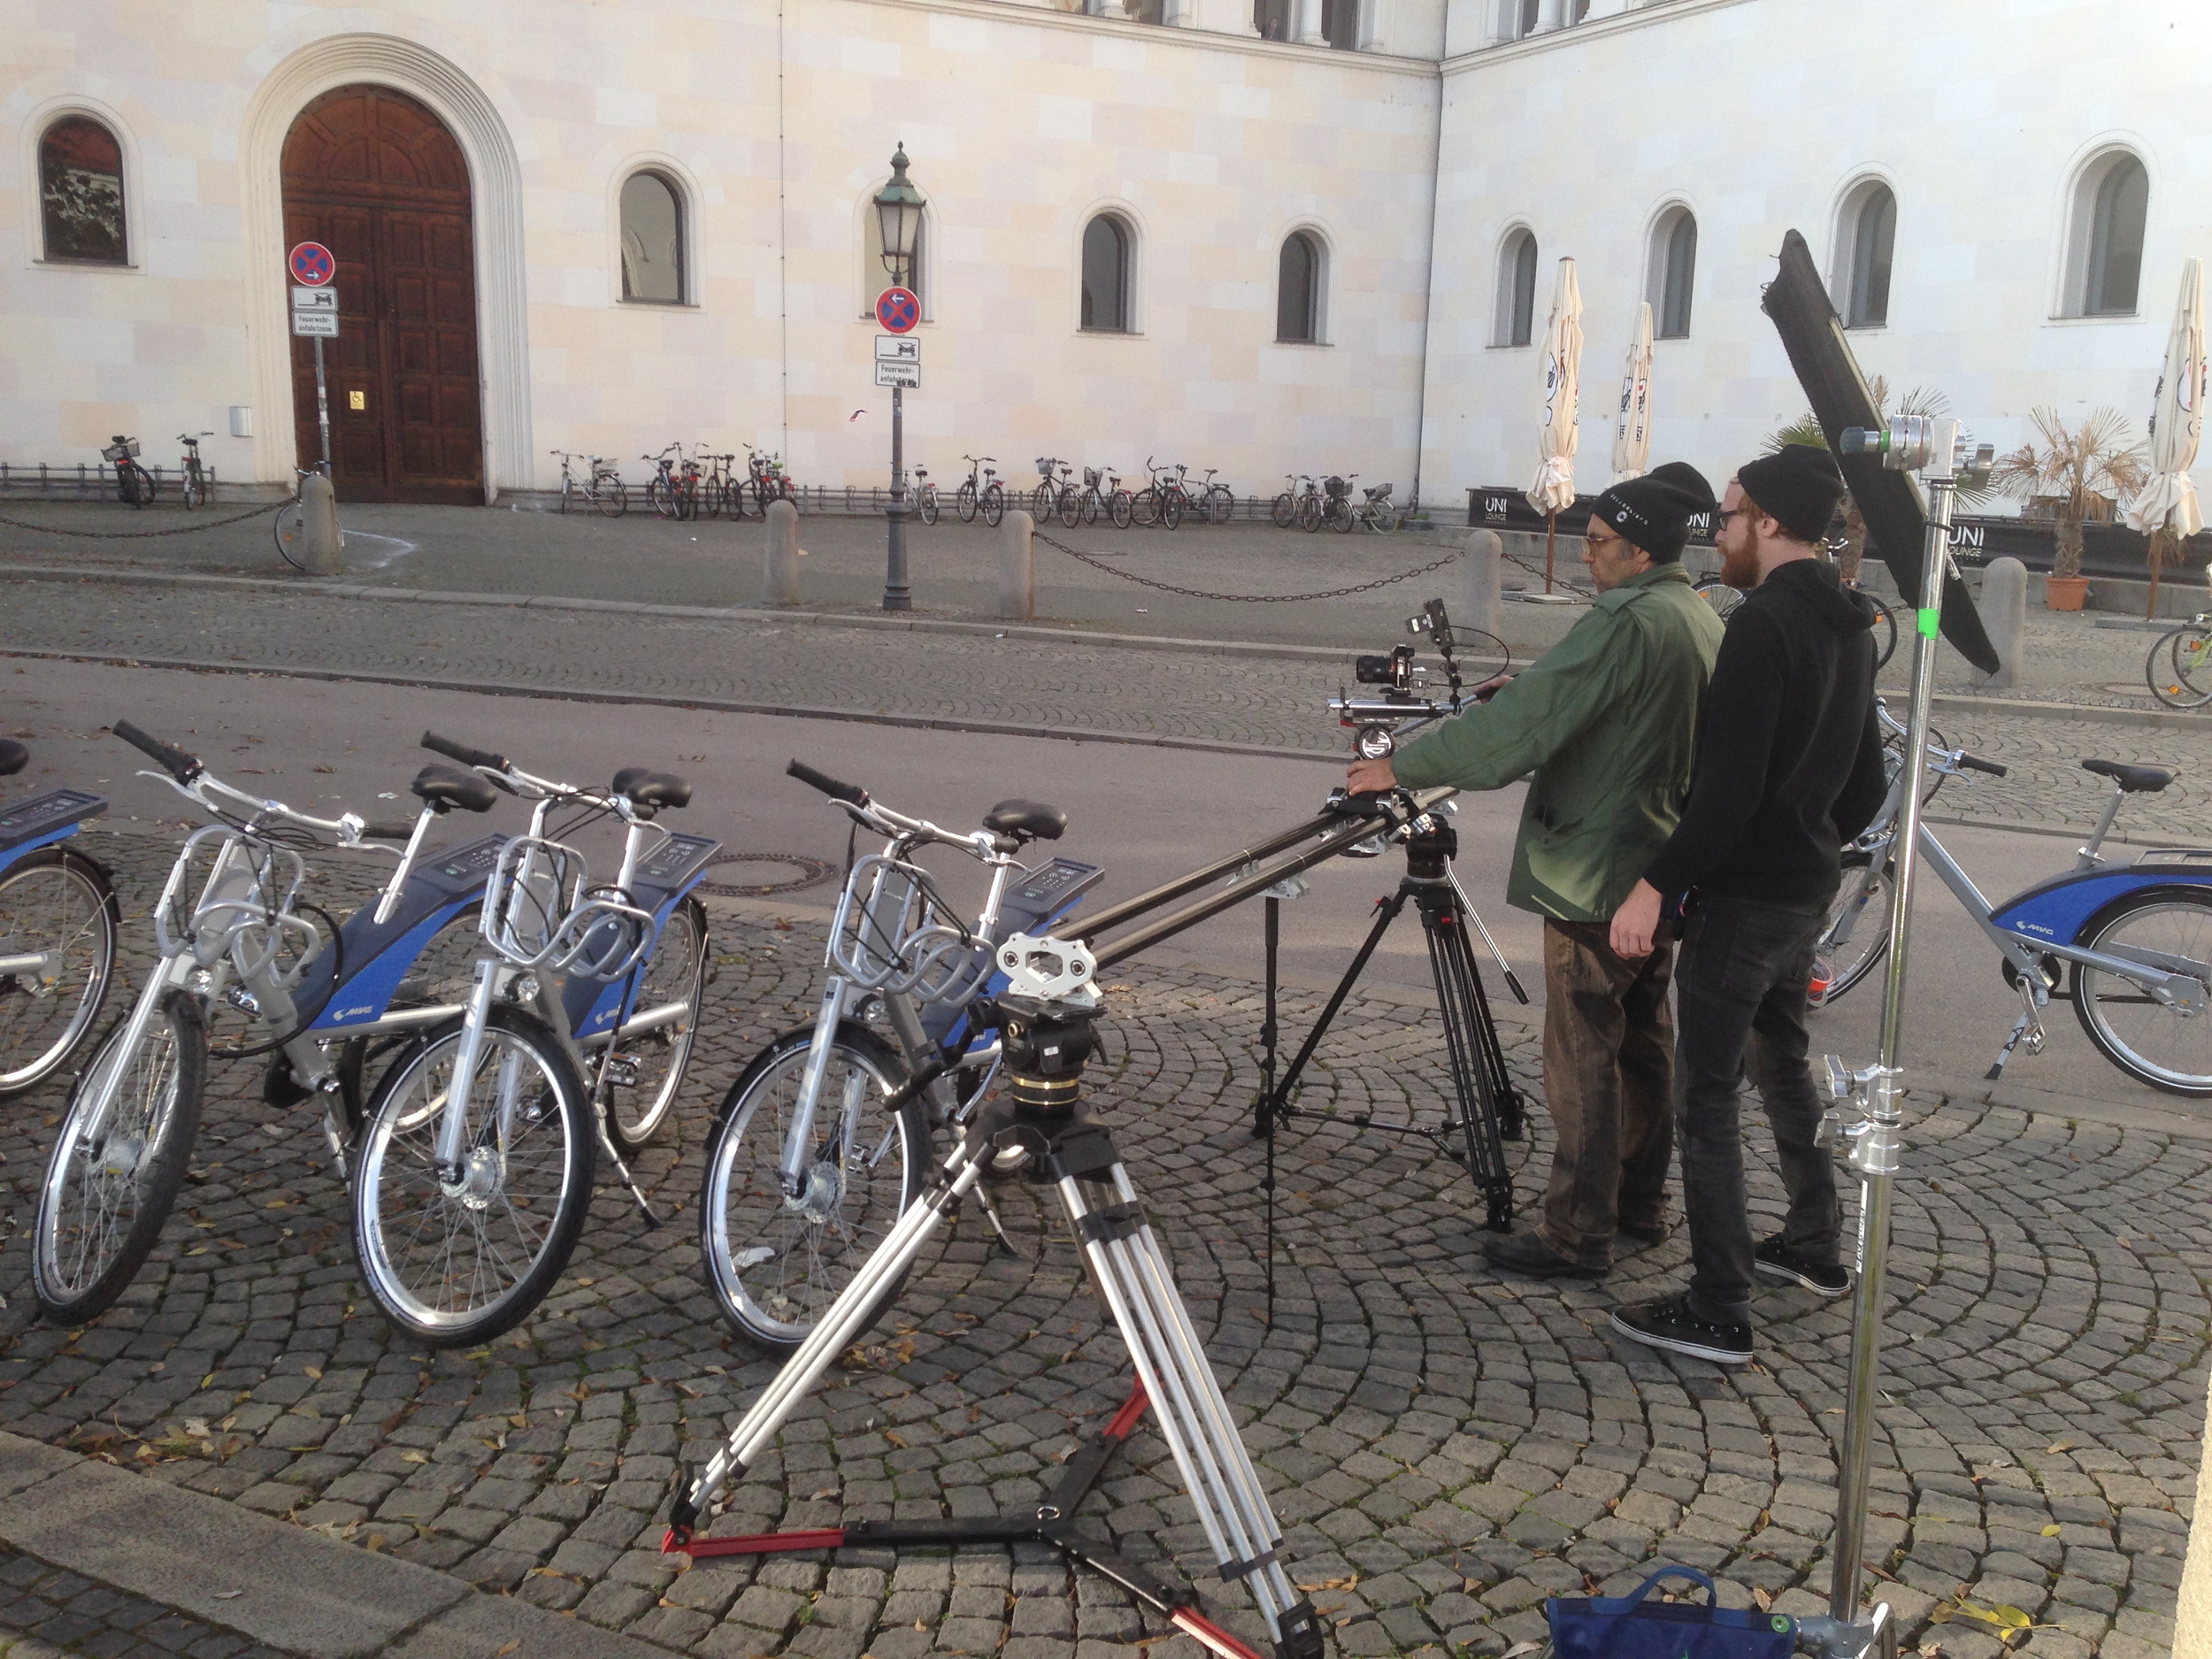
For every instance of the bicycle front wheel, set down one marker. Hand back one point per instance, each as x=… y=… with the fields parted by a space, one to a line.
x=195 y=488
x=459 y=1257
x=1071 y=508
x=1284 y=512
x=1340 y=516
x=1220 y=504
x=2179 y=667
x=56 y=904
x=929 y=504
x=1384 y=519
x=1120 y=509
x=1884 y=633
x=660 y=498
x=1717 y=594
x=775 y=1261
x=2168 y=1047
x=138 y=485
x=1310 y=514
x=291 y=532
x=993 y=506
x=1170 y=509
x=646 y=1070
x=963 y=503
x=118 y=1161
x=613 y=499
x=1857 y=932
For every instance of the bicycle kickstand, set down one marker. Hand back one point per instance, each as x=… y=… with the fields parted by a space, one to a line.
x=2028 y=1026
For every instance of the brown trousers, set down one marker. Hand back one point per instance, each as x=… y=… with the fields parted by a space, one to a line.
x=1608 y=1079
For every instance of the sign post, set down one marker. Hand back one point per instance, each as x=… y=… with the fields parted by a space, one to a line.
x=315 y=315
x=898 y=311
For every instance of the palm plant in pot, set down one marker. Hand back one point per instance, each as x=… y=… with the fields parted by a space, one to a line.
x=2075 y=475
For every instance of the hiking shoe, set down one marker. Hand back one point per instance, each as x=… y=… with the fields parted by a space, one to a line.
x=1672 y=1325
x=1527 y=1255
x=1770 y=1258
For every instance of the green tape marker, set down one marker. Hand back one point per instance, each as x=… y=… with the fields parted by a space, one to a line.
x=1928 y=623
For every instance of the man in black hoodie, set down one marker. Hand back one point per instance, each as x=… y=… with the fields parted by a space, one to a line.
x=1788 y=768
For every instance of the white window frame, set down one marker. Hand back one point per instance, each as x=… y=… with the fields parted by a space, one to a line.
x=1657 y=242
x=1851 y=207
x=2079 y=229
x=1507 y=268
x=689 y=197
x=1133 y=275
x=33 y=131
x=1324 y=262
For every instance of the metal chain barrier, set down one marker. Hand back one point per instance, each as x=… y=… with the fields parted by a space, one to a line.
x=1249 y=599
x=141 y=536
x=1574 y=589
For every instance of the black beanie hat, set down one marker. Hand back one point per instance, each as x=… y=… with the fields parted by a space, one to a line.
x=1798 y=486
x=1653 y=512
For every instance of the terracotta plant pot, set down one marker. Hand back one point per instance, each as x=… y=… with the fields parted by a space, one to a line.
x=2065 y=593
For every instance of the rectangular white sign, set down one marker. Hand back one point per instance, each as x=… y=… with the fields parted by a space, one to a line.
x=898 y=348
x=906 y=374
x=314 y=299
x=322 y=323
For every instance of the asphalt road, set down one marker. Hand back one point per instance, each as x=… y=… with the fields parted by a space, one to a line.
x=1147 y=815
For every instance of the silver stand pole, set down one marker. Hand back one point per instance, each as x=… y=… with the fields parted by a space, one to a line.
x=896 y=595
x=322 y=404
x=1876 y=1139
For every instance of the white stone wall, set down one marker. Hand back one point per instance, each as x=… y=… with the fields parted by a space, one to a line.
x=1760 y=115
x=1020 y=121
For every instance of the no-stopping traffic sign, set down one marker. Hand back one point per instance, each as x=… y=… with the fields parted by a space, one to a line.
x=897 y=310
x=313 y=265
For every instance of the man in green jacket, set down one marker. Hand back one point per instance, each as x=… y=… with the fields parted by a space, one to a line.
x=1605 y=721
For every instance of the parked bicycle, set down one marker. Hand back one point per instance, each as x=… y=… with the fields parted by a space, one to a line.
x=720 y=490
x=1052 y=483
x=2179 y=666
x=1287 y=508
x=1215 y=503
x=132 y=482
x=981 y=481
x=1163 y=500
x=58 y=928
x=600 y=486
x=1375 y=509
x=290 y=527
x=764 y=472
x=2138 y=937
x=191 y=475
x=923 y=495
x=823 y=1140
x=664 y=491
x=1086 y=505
x=476 y=1147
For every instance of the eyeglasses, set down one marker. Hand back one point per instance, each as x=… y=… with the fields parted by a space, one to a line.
x=1721 y=516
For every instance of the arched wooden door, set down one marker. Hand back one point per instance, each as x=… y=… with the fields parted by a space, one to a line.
x=377 y=179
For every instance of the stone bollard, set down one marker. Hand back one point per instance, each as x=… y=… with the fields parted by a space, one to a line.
x=2004 y=608
x=2193 y=1617
x=1482 y=558
x=779 y=573
x=325 y=543
x=1017 y=567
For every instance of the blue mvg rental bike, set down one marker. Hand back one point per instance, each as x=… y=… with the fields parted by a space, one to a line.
x=58 y=928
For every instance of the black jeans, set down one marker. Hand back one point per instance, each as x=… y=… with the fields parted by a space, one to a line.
x=1741 y=974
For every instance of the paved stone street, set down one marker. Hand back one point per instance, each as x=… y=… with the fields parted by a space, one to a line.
x=1444 y=1449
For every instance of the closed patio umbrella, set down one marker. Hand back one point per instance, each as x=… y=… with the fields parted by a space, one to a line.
x=2167 y=504
x=1554 y=490
x=1631 y=432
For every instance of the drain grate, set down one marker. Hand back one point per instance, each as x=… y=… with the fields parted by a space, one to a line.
x=803 y=873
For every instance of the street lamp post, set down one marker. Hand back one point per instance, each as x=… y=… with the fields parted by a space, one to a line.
x=899 y=216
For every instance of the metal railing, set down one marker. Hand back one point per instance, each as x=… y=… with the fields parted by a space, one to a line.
x=84 y=480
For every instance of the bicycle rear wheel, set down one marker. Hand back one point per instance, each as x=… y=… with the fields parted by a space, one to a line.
x=1171 y=507
x=2178 y=666
x=2167 y=1048
x=58 y=903
x=1120 y=509
x=993 y=506
x=138 y=484
x=613 y=499
x=118 y=1161
x=1382 y=518
x=1717 y=594
x=1310 y=514
x=929 y=504
x=1144 y=506
x=1284 y=510
x=455 y=1262
x=963 y=502
x=1885 y=632
x=775 y=1265
x=1220 y=504
x=1070 y=507
x=1340 y=516
x=194 y=489
x=1090 y=506
x=646 y=1070
x=291 y=532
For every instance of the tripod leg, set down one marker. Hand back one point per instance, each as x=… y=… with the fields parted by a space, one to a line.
x=1276 y=1105
x=1471 y=1042
x=1194 y=1416
x=853 y=1311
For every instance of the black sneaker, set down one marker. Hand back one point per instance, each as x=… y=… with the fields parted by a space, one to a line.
x=1672 y=1325
x=1527 y=1255
x=1649 y=1233
x=1773 y=1259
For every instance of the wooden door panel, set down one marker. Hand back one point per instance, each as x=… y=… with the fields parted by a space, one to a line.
x=375 y=176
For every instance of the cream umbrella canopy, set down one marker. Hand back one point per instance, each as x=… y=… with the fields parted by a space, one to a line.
x=1554 y=490
x=2167 y=504
x=1631 y=432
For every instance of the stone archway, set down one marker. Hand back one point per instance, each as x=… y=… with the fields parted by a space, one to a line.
x=377 y=178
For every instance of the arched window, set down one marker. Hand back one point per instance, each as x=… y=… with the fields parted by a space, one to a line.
x=1674 y=272
x=80 y=193
x=1339 y=23
x=1106 y=242
x=2117 y=211
x=652 y=241
x=1869 y=240
x=1516 y=322
x=1298 y=289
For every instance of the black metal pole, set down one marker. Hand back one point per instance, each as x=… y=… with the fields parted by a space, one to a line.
x=896 y=595
x=1264 y=1110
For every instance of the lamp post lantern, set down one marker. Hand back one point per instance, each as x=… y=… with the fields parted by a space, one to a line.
x=899 y=217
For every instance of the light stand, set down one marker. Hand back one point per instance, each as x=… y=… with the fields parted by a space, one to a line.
x=899 y=216
x=1869 y=1115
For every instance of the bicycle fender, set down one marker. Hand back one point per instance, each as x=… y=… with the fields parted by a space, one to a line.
x=2062 y=909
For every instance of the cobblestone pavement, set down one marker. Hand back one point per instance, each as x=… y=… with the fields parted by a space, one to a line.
x=72 y=1614
x=1273 y=704
x=1443 y=1448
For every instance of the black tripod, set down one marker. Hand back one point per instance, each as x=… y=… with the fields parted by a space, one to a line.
x=1486 y=1110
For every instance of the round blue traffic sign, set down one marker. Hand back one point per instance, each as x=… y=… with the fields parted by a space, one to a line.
x=898 y=311
x=312 y=265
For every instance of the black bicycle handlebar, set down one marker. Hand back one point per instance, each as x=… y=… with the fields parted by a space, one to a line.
x=399 y=831
x=183 y=767
x=463 y=753
x=829 y=786
x=1974 y=763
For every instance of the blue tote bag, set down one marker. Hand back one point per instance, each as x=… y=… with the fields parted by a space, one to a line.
x=1627 y=1627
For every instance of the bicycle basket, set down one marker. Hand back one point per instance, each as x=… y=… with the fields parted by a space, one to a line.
x=1336 y=486
x=539 y=912
x=120 y=451
x=893 y=935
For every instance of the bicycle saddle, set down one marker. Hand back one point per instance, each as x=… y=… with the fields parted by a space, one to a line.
x=1032 y=819
x=652 y=790
x=445 y=788
x=2132 y=780
x=13 y=757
